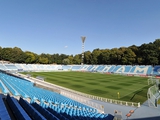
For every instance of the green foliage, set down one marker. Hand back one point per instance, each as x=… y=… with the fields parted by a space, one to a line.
x=70 y=59
x=95 y=54
x=87 y=57
x=77 y=59
x=6 y=54
x=66 y=61
x=30 y=57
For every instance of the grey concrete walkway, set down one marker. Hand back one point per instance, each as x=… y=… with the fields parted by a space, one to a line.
x=142 y=113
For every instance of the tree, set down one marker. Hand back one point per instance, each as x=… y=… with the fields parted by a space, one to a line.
x=95 y=54
x=31 y=57
x=0 y=53
x=104 y=57
x=45 y=59
x=129 y=57
x=50 y=60
x=77 y=59
x=17 y=55
x=149 y=53
x=70 y=59
x=66 y=61
x=87 y=57
x=61 y=58
x=115 y=56
x=6 y=54
x=55 y=58
x=42 y=60
x=157 y=44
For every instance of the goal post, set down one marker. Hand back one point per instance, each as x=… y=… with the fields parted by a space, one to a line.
x=153 y=93
x=40 y=78
x=152 y=81
x=153 y=96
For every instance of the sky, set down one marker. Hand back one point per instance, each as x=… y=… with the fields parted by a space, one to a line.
x=56 y=26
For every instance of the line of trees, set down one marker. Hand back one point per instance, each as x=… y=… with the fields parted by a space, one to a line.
x=146 y=54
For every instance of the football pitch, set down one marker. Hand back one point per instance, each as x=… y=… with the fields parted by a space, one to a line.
x=126 y=88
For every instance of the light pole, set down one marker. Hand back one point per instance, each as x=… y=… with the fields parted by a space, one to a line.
x=83 y=40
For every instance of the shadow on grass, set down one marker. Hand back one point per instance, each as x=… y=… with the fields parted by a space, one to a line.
x=137 y=96
x=136 y=93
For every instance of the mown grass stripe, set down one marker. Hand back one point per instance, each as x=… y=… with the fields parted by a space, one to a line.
x=102 y=85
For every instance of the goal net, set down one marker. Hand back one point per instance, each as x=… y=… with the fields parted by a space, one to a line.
x=152 y=81
x=153 y=93
x=40 y=78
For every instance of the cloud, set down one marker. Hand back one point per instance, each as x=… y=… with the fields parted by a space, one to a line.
x=66 y=46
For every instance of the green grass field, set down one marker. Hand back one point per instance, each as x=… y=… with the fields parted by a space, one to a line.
x=130 y=88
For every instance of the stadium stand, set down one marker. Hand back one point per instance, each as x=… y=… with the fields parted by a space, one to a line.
x=26 y=89
x=124 y=69
x=52 y=105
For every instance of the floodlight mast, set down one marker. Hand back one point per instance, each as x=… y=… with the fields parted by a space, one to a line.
x=83 y=40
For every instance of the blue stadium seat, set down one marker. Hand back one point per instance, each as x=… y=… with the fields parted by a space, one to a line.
x=2 y=67
x=44 y=112
x=3 y=88
x=11 y=67
x=3 y=111
x=156 y=70
x=9 y=86
x=32 y=112
x=17 y=110
x=76 y=67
